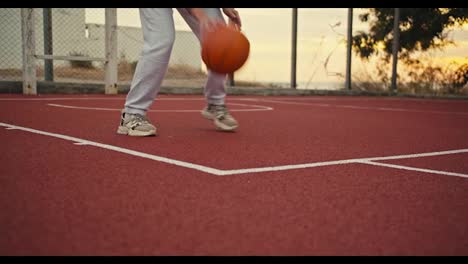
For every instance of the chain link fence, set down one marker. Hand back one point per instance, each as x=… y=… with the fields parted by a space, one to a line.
x=68 y=35
x=321 y=50
x=185 y=65
x=58 y=32
x=10 y=44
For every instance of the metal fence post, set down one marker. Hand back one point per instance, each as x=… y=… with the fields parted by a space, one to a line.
x=294 y=49
x=111 y=51
x=350 y=43
x=28 y=50
x=396 y=47
x=48 y=44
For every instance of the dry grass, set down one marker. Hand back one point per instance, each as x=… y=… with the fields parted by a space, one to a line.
x=423 y=76
x=177 y=75
x=11 y=74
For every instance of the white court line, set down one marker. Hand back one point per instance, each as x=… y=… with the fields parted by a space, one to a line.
x=219 y=172
x=248 y=99
x=414 y=169
x=118 y=149
x=62 y=98
x=302 y=98
x=81 y=143
x=105 y=98
x=419 y=155
x=340 y=162
x=373 y=99
x=364 y=107
x=260 y=108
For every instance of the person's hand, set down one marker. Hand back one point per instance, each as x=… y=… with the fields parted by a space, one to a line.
x=233 y=16
x=206 y=23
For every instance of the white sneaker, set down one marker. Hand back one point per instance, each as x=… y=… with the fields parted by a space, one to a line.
x=135 y=125
x=223 y=120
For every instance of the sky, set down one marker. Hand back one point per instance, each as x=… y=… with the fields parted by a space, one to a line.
x=321 y=50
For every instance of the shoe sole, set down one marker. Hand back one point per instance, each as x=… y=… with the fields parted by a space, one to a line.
x=122 y=130
x=224 y=127
x=218 y=124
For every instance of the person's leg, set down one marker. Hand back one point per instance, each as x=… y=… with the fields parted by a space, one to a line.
x=215 y=91
x=159 y=35
x=214 y=88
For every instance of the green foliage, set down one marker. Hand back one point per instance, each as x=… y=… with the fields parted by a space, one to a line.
x=421 y=29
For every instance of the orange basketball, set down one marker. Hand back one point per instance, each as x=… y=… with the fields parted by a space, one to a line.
x=225 y=49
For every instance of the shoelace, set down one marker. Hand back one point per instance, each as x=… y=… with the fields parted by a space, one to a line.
x=139 y=119
x=220 y=111
x=142 y=118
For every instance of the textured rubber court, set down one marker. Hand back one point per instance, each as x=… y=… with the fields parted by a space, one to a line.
x=301 y=176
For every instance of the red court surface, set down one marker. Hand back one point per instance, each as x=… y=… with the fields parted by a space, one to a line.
x=301 y=176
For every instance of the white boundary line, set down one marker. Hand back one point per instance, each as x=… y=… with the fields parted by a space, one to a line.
x=259 y=108
x=414 y=169
x=121 y=98
x=372 y=99
x=317 y=98
x=283 y=101
x=62 y=98
x=419 y=155
x=249 y=99
x=117 y=149
x=363 y=107
x=219 y=172
x=113 y=99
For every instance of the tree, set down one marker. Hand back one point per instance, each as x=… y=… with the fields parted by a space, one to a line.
x=421 y=29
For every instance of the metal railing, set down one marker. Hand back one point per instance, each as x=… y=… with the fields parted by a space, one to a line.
x=30 y=56
x=48 y=41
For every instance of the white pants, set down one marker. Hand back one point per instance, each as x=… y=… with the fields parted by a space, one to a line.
x=159 y=35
